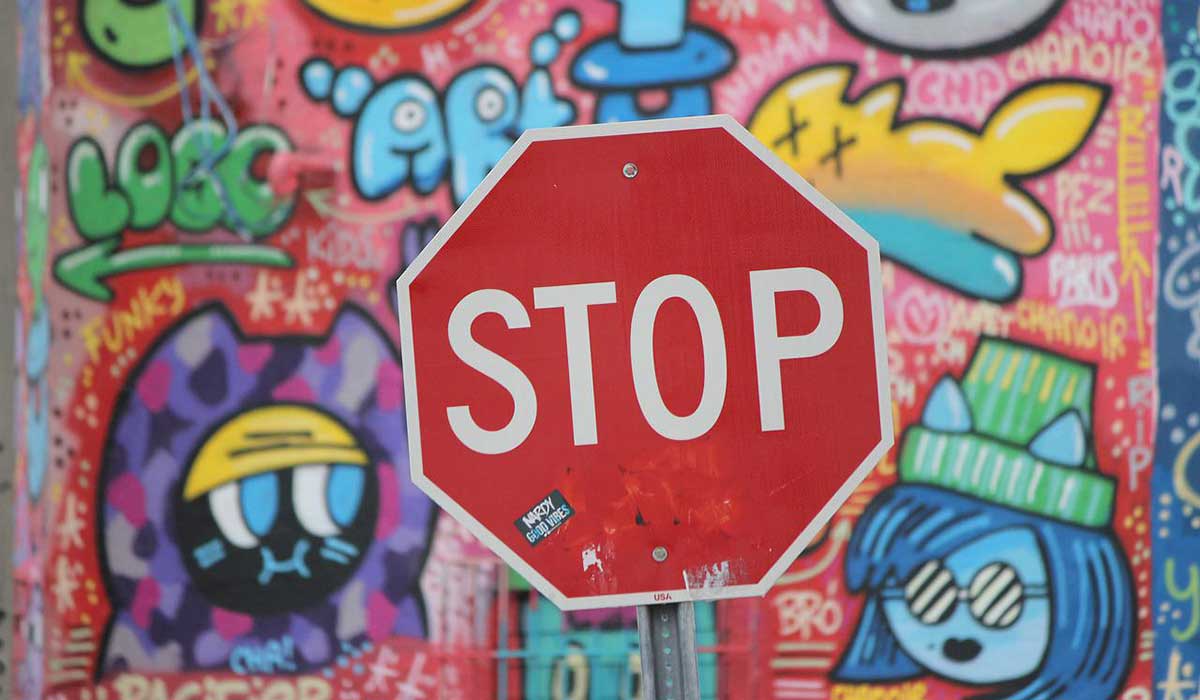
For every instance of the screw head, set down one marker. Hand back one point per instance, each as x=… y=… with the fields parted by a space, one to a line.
x=630 y=170
x=659 y=554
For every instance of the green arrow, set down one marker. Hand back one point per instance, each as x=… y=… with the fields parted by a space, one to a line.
x=82 y=269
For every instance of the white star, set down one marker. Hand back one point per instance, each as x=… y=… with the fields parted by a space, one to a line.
x=381 y=671
x=263 y=297
x=66 y=583
x=70 y=530
x=301 y=305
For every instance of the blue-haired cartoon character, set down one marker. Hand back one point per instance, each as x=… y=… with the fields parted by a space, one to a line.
x=991 y=563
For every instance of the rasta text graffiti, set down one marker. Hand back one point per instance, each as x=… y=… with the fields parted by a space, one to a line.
x=1084 y=279
x=803 y=612
x=364 y=248
x=1102 y=333
x=1057 y=53
x=790 y=46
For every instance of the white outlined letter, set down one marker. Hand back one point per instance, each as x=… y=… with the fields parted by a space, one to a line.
x=641 y=356
x=574 y=300
x=770 y=349
x=500 y=370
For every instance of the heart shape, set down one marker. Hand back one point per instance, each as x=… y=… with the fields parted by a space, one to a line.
x=923 y=316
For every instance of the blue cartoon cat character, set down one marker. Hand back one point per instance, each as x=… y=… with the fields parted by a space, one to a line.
x=992 y=563
x=255 y=508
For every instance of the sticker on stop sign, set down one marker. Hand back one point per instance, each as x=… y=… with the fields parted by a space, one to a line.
x=645 y=362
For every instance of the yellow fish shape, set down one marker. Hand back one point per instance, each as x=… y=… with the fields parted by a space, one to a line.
x=942 y=198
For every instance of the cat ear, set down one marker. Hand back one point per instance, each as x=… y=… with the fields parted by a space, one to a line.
x=947 y=408
x=1063 y=441
x=362 y=343
x=352 y=323
x=415 y=236
x=215 y=318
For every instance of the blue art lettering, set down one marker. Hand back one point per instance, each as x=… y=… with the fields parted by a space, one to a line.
x=405 y=135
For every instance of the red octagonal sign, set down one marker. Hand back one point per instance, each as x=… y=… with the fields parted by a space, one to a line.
x=645 y=362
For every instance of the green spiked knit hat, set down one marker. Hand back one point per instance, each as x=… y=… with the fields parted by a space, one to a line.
x=1016 y=431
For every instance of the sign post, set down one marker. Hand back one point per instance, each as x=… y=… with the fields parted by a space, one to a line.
x=670 y=665
x=645 y=363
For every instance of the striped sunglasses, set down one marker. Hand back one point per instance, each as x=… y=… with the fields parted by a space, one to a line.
x=995 y=596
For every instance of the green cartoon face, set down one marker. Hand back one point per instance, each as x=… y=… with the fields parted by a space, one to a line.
x=37 y=215
x=134 y=33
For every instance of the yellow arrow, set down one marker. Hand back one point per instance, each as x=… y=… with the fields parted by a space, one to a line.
x=77 y=76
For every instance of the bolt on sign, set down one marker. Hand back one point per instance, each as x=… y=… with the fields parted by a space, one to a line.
x=645 y=362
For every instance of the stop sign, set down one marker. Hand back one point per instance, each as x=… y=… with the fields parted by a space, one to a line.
x=645 y=362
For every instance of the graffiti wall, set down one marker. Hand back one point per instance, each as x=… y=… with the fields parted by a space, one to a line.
x=216 y=197
x=1175 y=502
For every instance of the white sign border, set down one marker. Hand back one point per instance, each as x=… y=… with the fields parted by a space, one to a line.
x=512 y=558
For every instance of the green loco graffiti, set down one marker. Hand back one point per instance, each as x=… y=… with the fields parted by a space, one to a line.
x=216 y=197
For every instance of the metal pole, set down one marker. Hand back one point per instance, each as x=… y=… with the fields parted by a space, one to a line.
x=670 y=669
x=502 y=632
